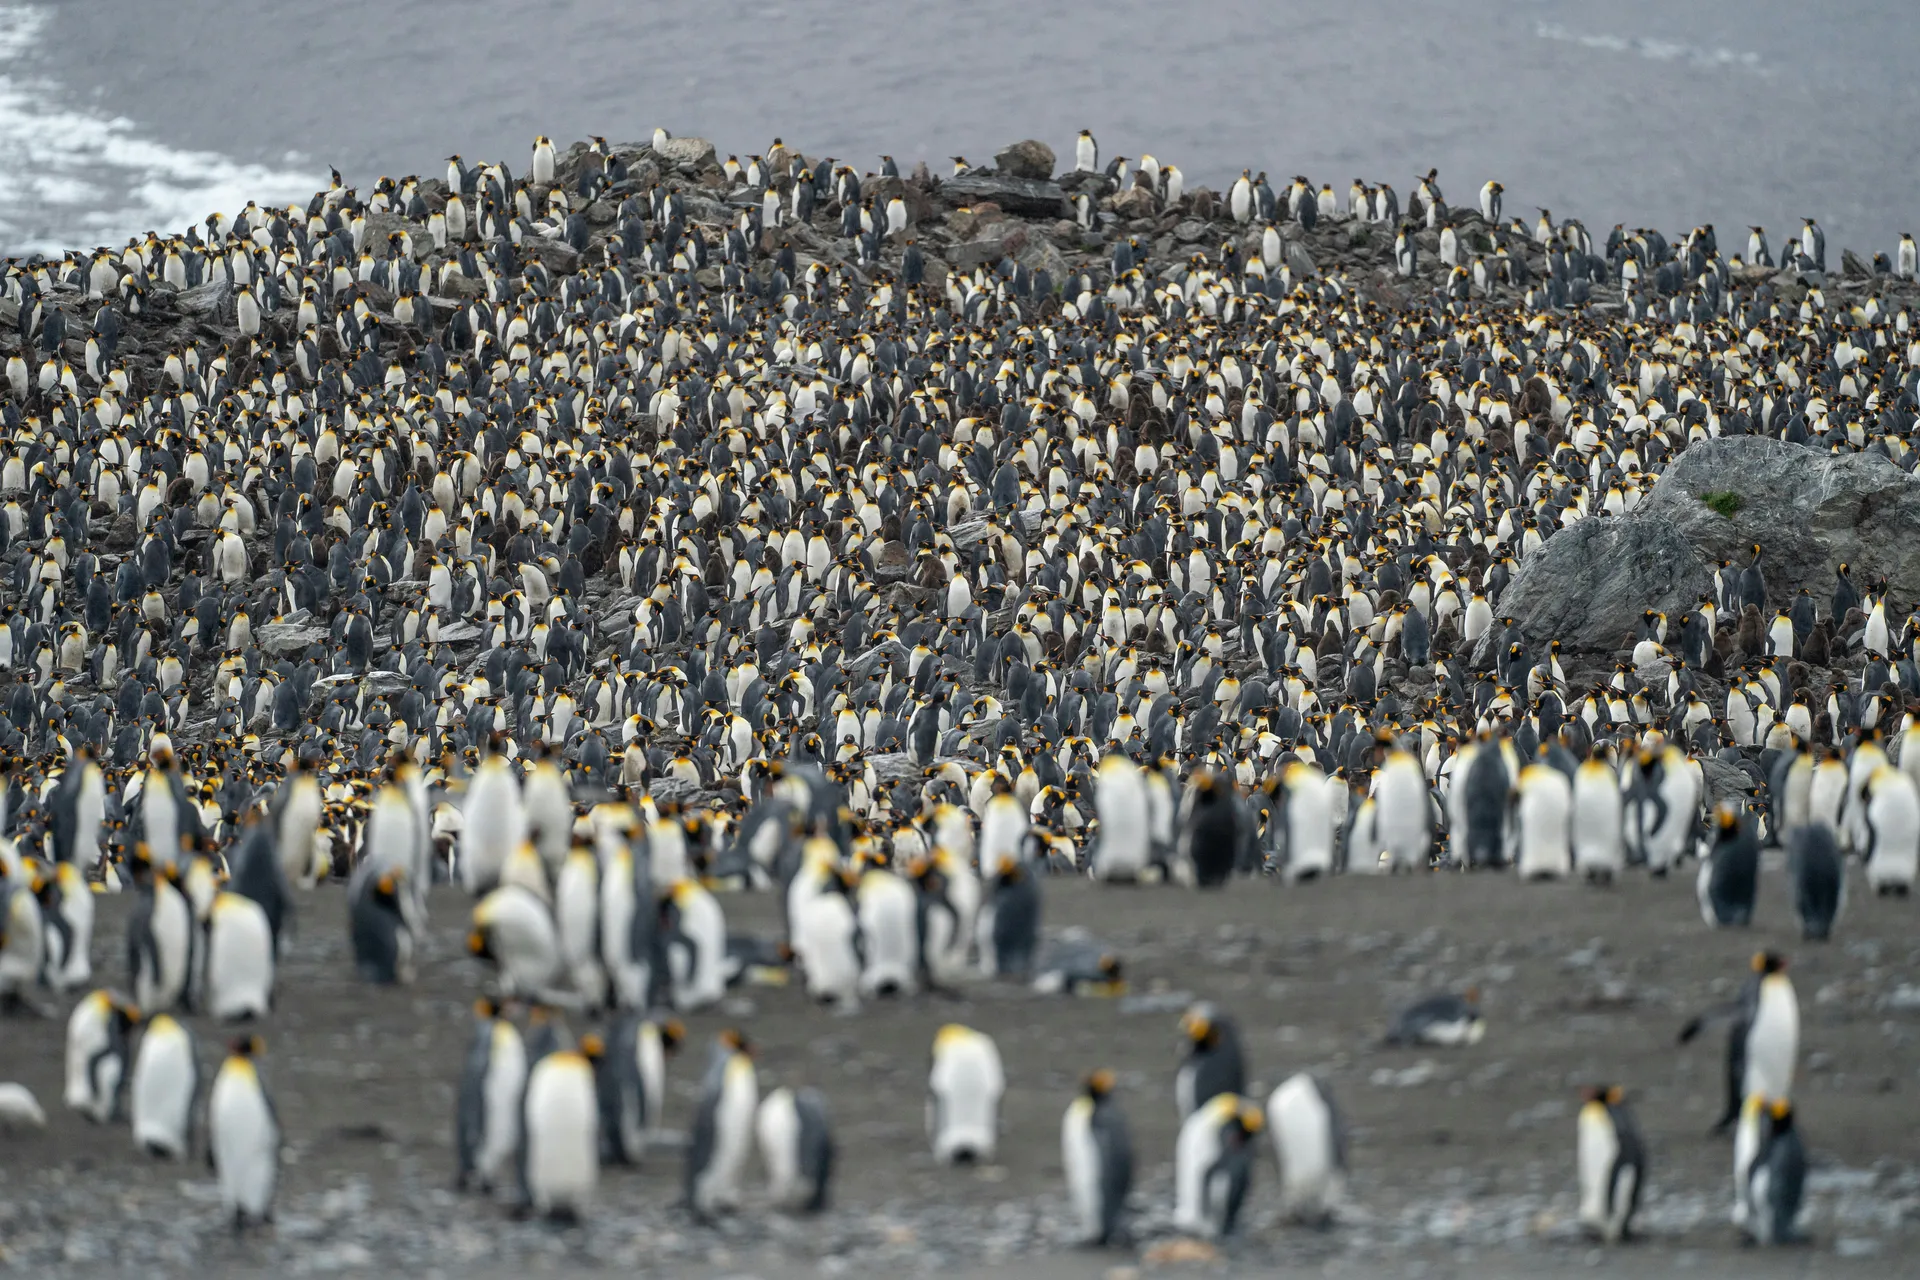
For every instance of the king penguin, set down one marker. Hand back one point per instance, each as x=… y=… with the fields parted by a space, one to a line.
x=243 y=1136
x=963 y=1095
x=1893 y=824
x=161 y=937
x=1213 y=1165
x=1097 y=1153
x=1596 y=820
x=1213 y=1064
x=1729 y=879
x=98 y=1055
x=723 y=1126
x=1612 y=1163
x=1543 y=812
x=1819 y=878
x=1763 y=1038
x=377 y=926
x=166 y=1079
x=1009 y=921
x=513 y=929
x=796 y=1146
x=1310 y=1142
x=1776 y=1177
x=1120 y=799
x=559 y=1152
x=239 y=975
x=1445 y=1020
x=487 y=1111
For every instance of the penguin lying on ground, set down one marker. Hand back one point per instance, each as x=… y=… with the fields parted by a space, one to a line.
x=1448 y=1021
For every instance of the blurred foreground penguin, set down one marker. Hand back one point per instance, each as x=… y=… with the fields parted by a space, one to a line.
x=1213 y=1164
x=559 y=1153
x=1763 y=1038
x=98 y=1057
x=963 y=1095
x=1447 y=1020
x=487 y=1119
x=166 y=1078
x=1097 y=1154
x=1819 y=880
x=1213 y=1064
x=722 y=1137
x=243 y=1136
x=1310 y=1142
x=796 y=1145
x=1612 y=1163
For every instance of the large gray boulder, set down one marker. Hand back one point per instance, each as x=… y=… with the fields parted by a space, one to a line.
x=1025 y=197
x=1810 y=512
x=1028 y=159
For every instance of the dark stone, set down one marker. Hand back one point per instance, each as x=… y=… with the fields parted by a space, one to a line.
x=1023 y=196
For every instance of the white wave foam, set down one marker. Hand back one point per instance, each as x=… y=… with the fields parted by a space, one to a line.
x=75 y=179
x=1655 y=50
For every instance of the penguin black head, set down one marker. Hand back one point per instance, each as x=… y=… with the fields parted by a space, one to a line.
x=672 y=1032
x=1610 y=1094
x=248 y=1047
x=735 y=1041
x=487 y=1007
x=1099 y=1083
x=1780 y=1111
x=1199 y=1026
x=1768 y=962
x=592 y=1046
x=1249 y=1119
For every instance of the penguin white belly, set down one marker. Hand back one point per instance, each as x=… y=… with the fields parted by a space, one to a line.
x=966 y=1085
x=1080 y=1158
x=1893 y=816
x=718 y=1186
x=627 y=976
x=165 y=983
x=239 y=960
x=1546 y=851
x=22 y=941
x=1759 y=1220
x=1746 y=1145
x=245 y=1141
x=1309 y=832
x=69 y=959
x=1595 y=1151
x=889 y=935
x=778 y=1129
x=1307 y=1145
x=823 y=926
x=1195 y=1152
x=501 y=1092
x=162 y=1092
x=1120 y=798
x=577 y=917
x=1773 y=1042
x=1400 y=819
x=1596 y=827
x=702 y=923
x=562 y=1122
x=93 y=1071
x=493 y=826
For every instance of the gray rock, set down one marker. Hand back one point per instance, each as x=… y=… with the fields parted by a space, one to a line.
x=1028 y=159
x=691 y=153
x=1810 y=512
x=1027 y=197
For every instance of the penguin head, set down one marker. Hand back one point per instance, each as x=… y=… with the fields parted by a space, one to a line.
x=1780 y=1113
x=1200 y=1027
x=1099 y=1083
x=1611 y=1095
x=592 y=1047
x=1766 y=963
x=672 y=1033
x=1726 y=819
x=1249 y=1119
x=733 y=1040
x=250 y=1046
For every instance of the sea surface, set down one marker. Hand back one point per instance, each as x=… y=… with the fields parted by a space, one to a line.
x=117 y=116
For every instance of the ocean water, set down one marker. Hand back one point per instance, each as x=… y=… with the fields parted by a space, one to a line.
x=120 y=115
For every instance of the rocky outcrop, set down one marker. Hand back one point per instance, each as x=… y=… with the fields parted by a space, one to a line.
x=1028 y=159
x=1809 y=511
x=1027 y=197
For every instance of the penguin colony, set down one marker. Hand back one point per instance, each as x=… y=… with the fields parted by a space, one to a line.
x=642 y=528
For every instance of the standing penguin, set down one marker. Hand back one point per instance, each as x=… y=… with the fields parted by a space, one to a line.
x=23 y=942
x=1213 y=1164
x=576 y=915
x=1310 y=1142
x=98 y=1055
x=161 y=937
x=243 y=1136
x=1120 y=799
x=67 y=910
x=1819 y=879
x=1402 y=816
x=486 y=1126
x=1893 y=824
x=1097 y=1153
x=1543 y=810
x=722 y=1136
x=1009 y=921
x=1215 y=836
x=694 y=935
x=1729 y=879
x=377 y=925
x=239 y=976
x=1763 y=1039
x=963 y=1095
x=1776 y=1177
x=888 y=911
x=824 y=927
x=559 y=1151
x=796 y=1145
x=1213 y=1064
x=493 y=824
x=166 y=1078
x=514 y=929
x=1306 y=826
x=1612 y=1162
x=1596 y=820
